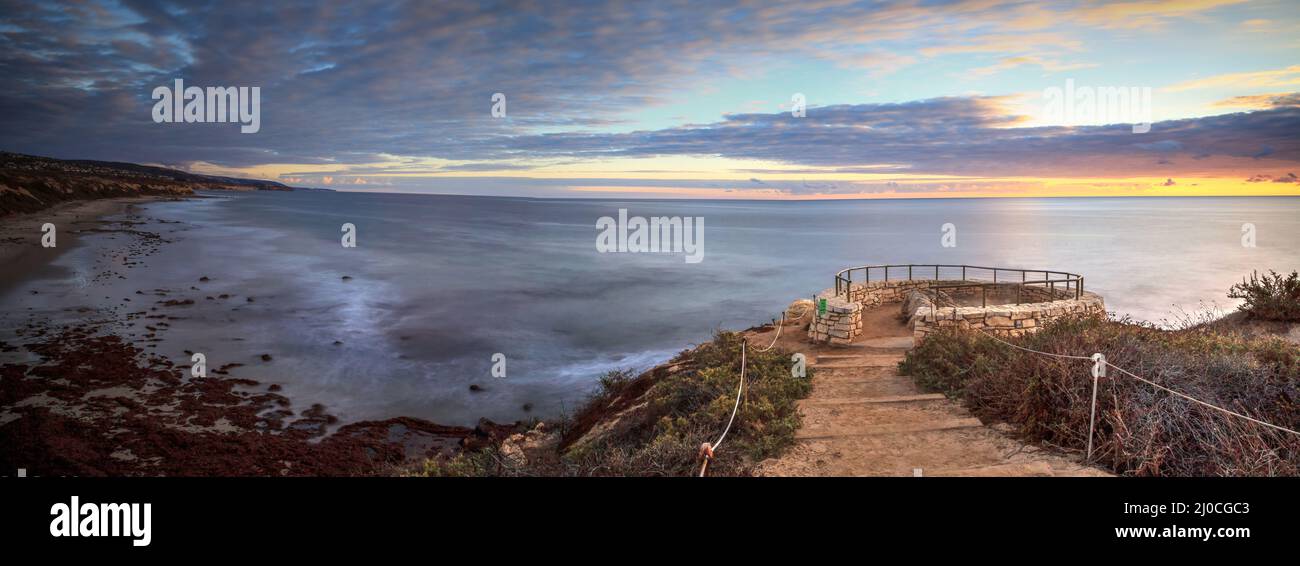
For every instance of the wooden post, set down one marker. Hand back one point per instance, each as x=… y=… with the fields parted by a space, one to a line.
x=1098 y=371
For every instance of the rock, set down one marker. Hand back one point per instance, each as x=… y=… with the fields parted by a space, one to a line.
x=347 y=277
x=512 y=451
x=475 y=387
x=266 y=357
x=914 y=301
x=800 y=309
x=204 y=279
x=998 y=321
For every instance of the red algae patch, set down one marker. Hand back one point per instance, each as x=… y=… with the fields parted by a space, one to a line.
x=96 y=405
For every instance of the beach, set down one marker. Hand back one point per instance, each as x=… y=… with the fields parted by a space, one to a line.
x=20 y=234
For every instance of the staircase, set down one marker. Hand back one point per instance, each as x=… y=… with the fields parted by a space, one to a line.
x=864 y=419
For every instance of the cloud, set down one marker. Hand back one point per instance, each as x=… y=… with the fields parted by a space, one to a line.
x=1045 y=64
x=1005 y=43
x=364 y=89
x=1270 y=78
x=956 y=135
x=488 y=167
x=1162 y=145
x=1145 y=14
x=1258 y=101
x=1263 y=178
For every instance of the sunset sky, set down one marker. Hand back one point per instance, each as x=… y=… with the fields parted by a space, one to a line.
x=673 y=99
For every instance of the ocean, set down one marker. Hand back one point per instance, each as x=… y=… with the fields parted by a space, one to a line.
x=405 y=322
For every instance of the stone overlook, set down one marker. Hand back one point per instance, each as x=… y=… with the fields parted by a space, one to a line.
x=999 y=301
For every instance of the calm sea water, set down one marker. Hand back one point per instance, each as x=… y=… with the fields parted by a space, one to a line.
x=441 y=283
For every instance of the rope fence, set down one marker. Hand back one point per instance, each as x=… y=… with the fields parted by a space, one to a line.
x=1099 y=365
x=1099 y=371
x=708 y=449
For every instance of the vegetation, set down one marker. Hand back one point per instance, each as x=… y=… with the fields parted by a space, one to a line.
x=1140 y=430
x=1270 y=297
x=653 y=424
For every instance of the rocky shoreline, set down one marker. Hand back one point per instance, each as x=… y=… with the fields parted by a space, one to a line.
x=93 y=398
x=96 y=405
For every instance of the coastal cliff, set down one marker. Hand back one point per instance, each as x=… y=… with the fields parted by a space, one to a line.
x=30 y=183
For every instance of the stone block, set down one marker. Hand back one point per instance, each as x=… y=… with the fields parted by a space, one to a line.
x=998 y=321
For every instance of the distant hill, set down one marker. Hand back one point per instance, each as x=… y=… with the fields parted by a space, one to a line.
x=29 y=183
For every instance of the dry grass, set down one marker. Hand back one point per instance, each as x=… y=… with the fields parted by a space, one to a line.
x=1140 y=430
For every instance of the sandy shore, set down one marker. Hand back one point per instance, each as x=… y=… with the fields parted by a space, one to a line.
x=20 y=235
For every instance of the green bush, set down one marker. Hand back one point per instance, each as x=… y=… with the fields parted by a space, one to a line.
x=653 y=424
x=1272 y=297
x=685 y=408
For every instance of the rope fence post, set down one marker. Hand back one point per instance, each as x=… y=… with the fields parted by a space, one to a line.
x=1098 y=371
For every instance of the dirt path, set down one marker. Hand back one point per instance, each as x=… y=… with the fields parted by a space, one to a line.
x=863 y=419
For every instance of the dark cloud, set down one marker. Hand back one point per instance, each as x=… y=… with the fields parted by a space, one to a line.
x=349 y=84
x=370 y=76
x=962 y=136
x=1262 y=178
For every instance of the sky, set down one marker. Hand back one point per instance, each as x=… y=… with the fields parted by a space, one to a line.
x=669 y=99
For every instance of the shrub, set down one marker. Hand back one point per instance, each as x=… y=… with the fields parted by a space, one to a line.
x=685 y=408
x=1272 y=297
x=1140 y=429
x=653 y=424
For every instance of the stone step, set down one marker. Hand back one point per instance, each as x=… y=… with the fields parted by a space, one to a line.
x=825 y=386
x=810 y=433
x=855 y=373
x=849 y=415
x=1012 y=469
x=901 y=343
x=858 y=359
x=895 y=454
x=855 y=364
x=921 y=397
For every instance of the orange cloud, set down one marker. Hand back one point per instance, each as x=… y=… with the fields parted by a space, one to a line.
x=1147 y=14
x=1289 y=76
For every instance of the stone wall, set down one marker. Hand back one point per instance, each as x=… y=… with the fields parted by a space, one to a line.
x=843 y=318
x=1004 y=320
x=840 y=323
